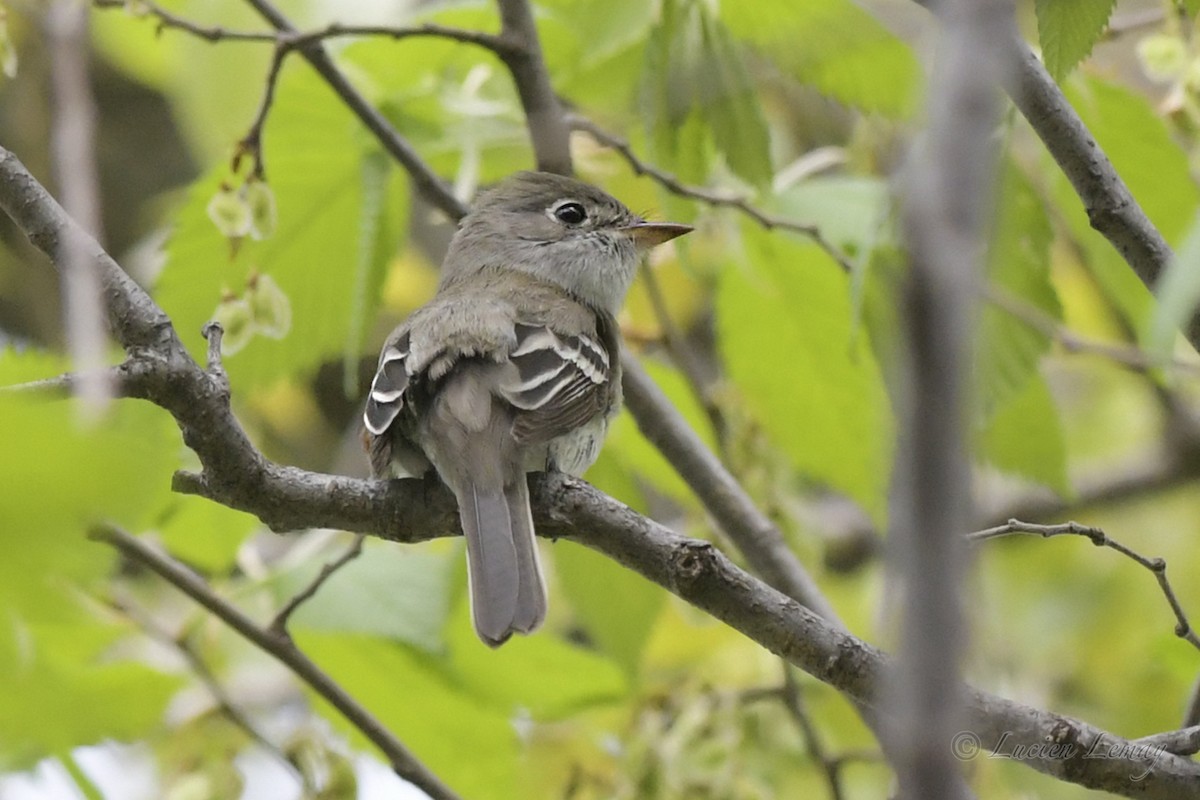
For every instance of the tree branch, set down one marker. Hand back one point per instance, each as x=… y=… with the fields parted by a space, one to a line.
x=403 y=762
x=949 y=183
x=548 y=131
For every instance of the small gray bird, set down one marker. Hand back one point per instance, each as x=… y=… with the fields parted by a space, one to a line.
x=511 y=368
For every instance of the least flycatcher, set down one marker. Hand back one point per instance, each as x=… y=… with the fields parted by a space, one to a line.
x=511 y=368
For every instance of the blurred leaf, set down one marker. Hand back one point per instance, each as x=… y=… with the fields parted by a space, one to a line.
x=208 y=87
x=389 y=591
x=836 y=47
x=1068 y=29
x=638 y=457
x=616 y=606
x=1154 y=167
x=1019 y=265
x=1025 y=437
x=1178 y=293
x=205 y=534
x=601 y=27
x=60 y=476
x=539 y=674
x=470 y=745
x=847 y=209
x=786 y=337
x=57 y=695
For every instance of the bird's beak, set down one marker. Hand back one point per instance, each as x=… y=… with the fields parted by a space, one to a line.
x=648 y=234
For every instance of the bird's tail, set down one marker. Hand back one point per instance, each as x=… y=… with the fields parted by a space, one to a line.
x=506 y=586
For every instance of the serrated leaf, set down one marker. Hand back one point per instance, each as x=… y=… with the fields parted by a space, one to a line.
x=834 y=46
x=1025 y=437
x=694 y=73
x=733 y=114
x=1068 y=29
x=787 y=339
x=1008 y=347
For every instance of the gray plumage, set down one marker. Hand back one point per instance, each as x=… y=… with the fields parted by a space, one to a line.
x=511 y=368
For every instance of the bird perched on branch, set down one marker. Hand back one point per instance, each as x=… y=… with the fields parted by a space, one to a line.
x=511 y=368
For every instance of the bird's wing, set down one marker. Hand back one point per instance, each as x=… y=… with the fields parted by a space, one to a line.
x=560 y=382
x=392 y=377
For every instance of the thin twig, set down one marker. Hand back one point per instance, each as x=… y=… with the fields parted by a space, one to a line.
x=168 y=20
x=1132 y=358
x=1157 y=566
x=793 y=701
x=251 y=143
x=403 y=762
x=548 y=130
x=708 y=196
x=278 y=625
x=199 y=667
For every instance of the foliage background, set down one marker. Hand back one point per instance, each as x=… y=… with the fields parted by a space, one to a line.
x=806 y=108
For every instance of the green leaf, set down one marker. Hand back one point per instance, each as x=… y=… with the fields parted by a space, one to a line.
x=1025 y=437
x=472 y=746
x=539 y=674
x=1154 y=167
x=1178 y=294
x=834 y=46
x=314 y=156
x=787 y=338
x=391 y=591
x=1008 y=348
x=205 y=534
x=57 y=694
x=602 y=27
x=60 y=475
x=1068 y=29
x=616 y=606
x=734 y=114
x=694 y=72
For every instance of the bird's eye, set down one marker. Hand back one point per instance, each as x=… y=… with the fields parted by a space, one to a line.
x=570 y=213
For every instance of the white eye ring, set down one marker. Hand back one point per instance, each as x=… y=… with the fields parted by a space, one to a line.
x=569 y=212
